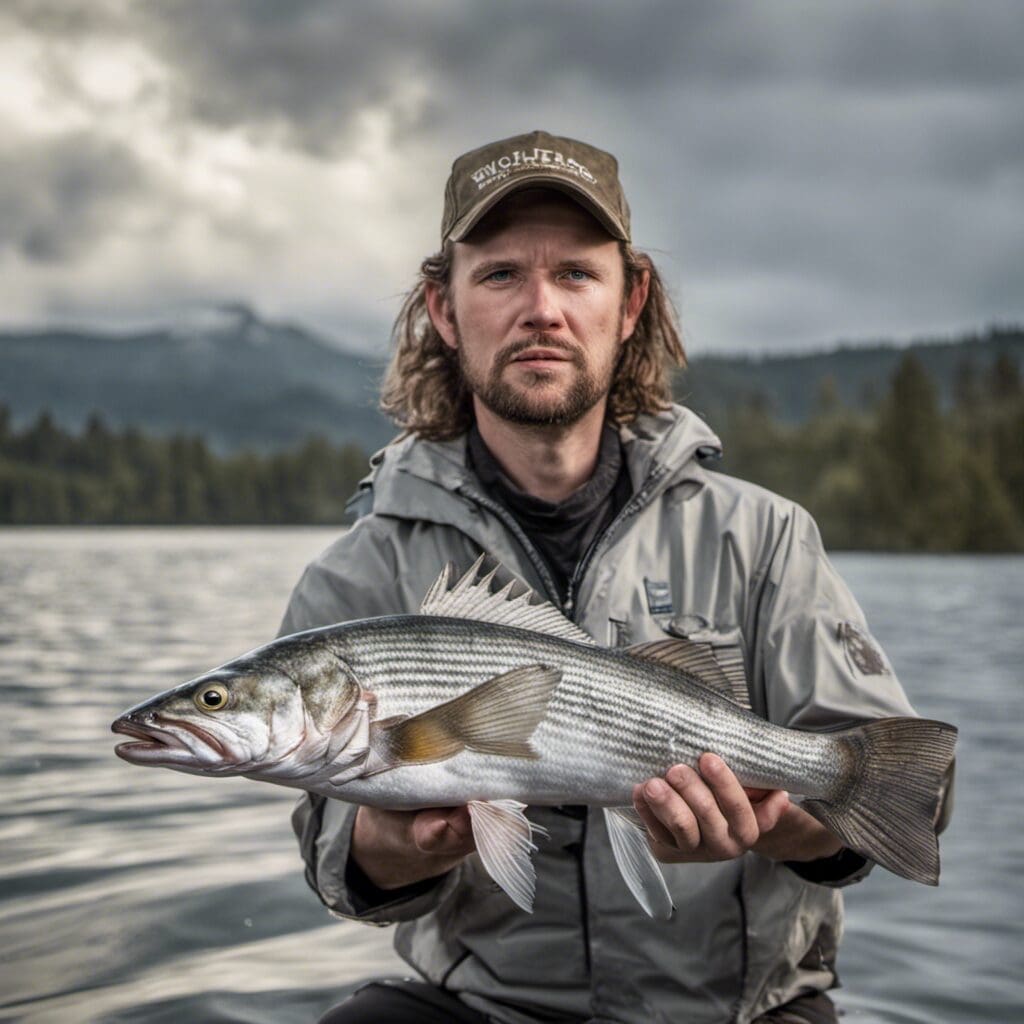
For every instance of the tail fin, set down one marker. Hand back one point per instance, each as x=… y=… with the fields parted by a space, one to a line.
x=890 y=808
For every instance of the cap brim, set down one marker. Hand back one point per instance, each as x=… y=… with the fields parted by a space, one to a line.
x=469 y=220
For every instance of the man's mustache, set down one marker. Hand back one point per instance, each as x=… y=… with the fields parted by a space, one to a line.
x=539 y=340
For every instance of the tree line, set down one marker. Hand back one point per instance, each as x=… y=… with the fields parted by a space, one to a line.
x=905 y=476
x=102 y=476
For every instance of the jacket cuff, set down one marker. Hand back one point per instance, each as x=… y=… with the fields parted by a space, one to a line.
x=368 y=898
x=324 y=828
x=841 y=869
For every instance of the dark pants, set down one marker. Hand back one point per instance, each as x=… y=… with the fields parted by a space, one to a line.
x=415 y=1002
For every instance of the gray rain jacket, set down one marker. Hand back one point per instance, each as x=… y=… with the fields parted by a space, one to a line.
x=693 y=553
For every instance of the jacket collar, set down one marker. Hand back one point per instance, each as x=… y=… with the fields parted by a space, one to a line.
x=427 y=480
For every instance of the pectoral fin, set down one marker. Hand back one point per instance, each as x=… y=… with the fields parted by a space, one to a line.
x=636 y=862
x=497 y=717
x=502 y=833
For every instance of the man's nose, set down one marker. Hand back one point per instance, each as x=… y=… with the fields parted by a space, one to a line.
x=540 y=308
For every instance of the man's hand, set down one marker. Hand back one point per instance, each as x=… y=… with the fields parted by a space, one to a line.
x=707 y=815
x=396 y=848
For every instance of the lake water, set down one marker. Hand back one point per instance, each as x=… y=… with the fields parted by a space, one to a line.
x=150 y=896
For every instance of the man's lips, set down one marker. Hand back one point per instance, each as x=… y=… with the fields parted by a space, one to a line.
x=542 y=355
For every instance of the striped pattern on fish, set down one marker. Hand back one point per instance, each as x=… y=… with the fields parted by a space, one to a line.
x=489 y=700
x=613 y=720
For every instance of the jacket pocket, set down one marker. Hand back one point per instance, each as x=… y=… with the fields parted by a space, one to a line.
x=792 y=929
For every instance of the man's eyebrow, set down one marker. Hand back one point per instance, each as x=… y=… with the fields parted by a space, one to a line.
x=582 y=263
x=490 y=266
x=484 y=269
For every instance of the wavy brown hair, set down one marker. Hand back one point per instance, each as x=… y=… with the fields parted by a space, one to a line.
x=424 y=391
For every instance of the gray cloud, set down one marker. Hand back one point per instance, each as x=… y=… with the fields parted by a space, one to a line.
x=301 y=71
x=803 y=171
x=60 y=20
x=310 y=64
x=59 y=196
x=307 y=67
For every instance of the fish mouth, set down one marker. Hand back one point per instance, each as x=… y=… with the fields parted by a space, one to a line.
x=155 y=743
x=205 y=737
x=163 y=745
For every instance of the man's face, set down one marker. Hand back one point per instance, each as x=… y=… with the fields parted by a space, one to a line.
x=536 y=310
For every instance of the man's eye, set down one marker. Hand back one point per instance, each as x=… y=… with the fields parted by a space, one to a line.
x=499 y=276
x=578 y=275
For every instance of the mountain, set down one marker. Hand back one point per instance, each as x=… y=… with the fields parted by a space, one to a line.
x=237 y=380
x=241 y=381
x=791 y=386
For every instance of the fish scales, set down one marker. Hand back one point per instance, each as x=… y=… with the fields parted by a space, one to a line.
x=641 y=716
x=487 y=700
x=415 y=695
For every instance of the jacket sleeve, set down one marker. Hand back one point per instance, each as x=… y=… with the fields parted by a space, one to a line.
x=348 y=581
x=324 y=831
x=816 y=662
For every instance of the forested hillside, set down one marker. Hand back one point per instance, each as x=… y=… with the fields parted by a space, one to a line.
x=100 y=476
x=244 y=382
x=906 y=475
x=857 y=376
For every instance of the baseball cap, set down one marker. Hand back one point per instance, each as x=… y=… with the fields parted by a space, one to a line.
x=481 y=178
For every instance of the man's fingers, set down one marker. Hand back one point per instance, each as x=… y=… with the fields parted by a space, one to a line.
x=706 y=814
x=770 y=809
x=712 y=826
x=741 y=827
x=649 y=809
x=669 y=800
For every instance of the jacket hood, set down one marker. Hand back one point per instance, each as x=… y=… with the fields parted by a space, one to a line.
x=417 y=479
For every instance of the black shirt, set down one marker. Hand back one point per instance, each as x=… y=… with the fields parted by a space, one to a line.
x=563 y=531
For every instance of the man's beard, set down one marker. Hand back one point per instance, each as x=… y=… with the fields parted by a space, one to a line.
x=518 y=403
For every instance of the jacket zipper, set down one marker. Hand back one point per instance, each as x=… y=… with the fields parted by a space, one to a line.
x=514 y=528
x=631 y=508
x=552 y=592
x=584 y=904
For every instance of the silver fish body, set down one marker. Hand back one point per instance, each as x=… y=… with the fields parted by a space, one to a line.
x=613 y=720
x=487 y=700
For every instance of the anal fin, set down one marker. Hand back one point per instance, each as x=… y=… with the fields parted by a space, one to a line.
x=637 y=863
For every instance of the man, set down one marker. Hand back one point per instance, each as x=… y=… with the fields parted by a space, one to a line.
x=531 y=375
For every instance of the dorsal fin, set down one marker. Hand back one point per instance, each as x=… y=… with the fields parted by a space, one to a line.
x=698 y=659
x=471 y=598
x=730 y=661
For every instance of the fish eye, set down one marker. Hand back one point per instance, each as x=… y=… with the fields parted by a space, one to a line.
x=211 y=697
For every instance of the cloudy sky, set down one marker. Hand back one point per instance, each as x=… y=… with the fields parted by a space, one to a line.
x=804 y=172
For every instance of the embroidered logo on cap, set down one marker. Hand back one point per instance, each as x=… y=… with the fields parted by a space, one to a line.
x=659 y=597
x=528 y=160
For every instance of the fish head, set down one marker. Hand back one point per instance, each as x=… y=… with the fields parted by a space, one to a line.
x=267 y=714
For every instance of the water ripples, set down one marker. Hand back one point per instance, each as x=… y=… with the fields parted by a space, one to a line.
x=146 y=896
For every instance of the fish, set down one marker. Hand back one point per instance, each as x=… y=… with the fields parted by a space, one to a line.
x=494 y=700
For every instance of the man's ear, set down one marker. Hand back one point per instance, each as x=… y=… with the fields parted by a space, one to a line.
x=440 y=311
x=635 y=302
